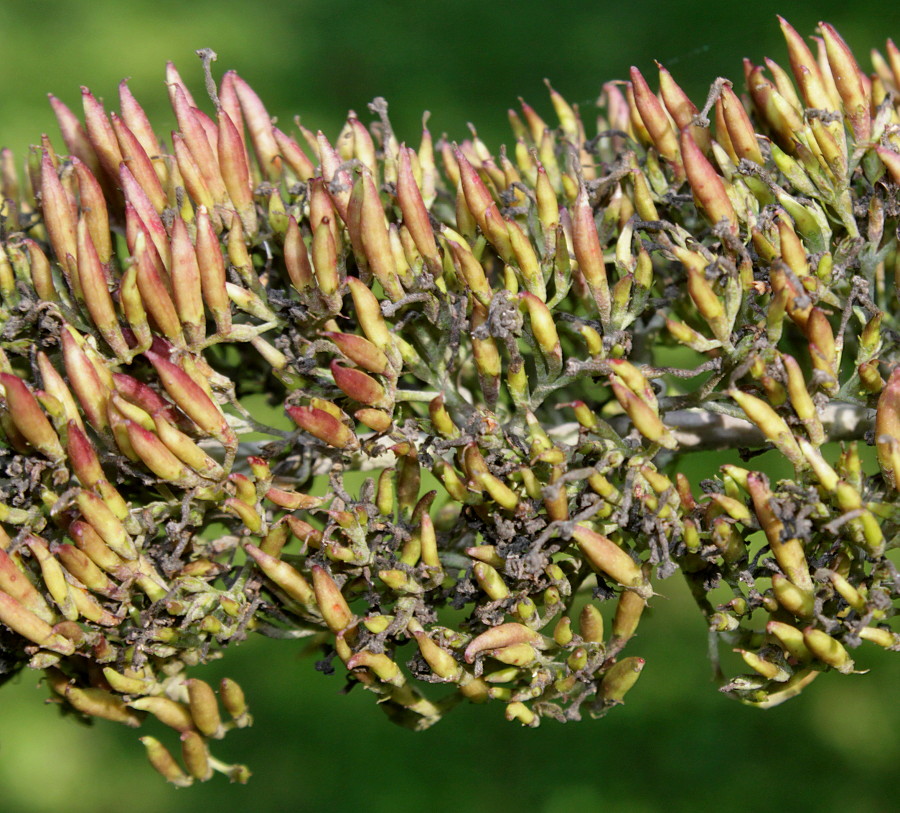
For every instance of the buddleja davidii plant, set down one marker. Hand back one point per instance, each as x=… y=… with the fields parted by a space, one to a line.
x=455 y=342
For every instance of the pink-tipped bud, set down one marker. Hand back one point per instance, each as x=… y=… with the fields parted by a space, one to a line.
x=805 y=69
x=332 y=604
x=84 y=380
x=368 y=313
x=155 y=295
x=74 y=134
x=655 y=119
x=375 y=241
x=41 y=274
x=186 y=284
x=325 y=427
x=28 y=417
x=139 y=164
x=60 y=221
x=707 y=186
x=96 y=293
x=739 y=128
x=198 y=143
x=294 y=156
x=212 y=272
x=146 y=211
x=849 y=82
x=887 y=430
x=190 y=397
x=235 y=167
x=106 y=524
x=589 y=253
x=359 y=350
x=191 y=176
x=359 y=386
x=288 y=578
x=93 y=208
x=101 y=135
x=415 y=214
x=157 y=457
x=296 y=257
x=338 y=181
x=55 y=386
x=499 y=637
x=260 y=125
x=477 y=196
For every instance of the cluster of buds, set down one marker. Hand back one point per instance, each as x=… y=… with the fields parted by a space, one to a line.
x=486 y=366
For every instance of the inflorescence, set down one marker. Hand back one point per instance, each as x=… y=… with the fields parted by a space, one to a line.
x=483 y=370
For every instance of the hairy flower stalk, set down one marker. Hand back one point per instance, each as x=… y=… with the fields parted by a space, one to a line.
x=440 y=315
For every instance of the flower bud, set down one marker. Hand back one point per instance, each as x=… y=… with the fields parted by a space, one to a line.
x=706 y=184
x=655 y=120
x=442 y=663
x=608 y=558
x=887 y=429
x=25 y=623
x=771 y=424
x=322 y=425
x=190 y=397
x=284 y=575
x=504 y=635
x=15 y=582
x=619 y=680
x=204 y=709
x=106 y=524
x=29 y=419
x=628 y=614
x=798 y=601
x=589 y=253
x=644 y=417
x=368 y=313
x=211 y=265
x=165 y=763
x=259 y=123
x=232 y=697
x=828 y=650
x=332 y=604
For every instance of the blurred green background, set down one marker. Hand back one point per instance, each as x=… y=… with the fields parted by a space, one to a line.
x=677 y=744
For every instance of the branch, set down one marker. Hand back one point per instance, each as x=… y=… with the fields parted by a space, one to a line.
x=695 y=430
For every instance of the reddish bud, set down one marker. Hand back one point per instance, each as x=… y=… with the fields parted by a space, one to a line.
x=190 y=397
x=101 y=135
x=849 y=82
x=96 y=293
x=212 y=272
x=84 y=380
x=74 y=134
x=589 y=252
x=139 y=164
x=322 y=425
x=260 y=125
x=28 y=417
x=707 y=186
x=235 y=168
x=93 y=208
x=191 y=176
x=655 y=119
x=155 y=294
x=59 y=219
x=292 y=154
